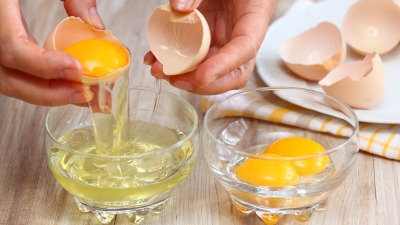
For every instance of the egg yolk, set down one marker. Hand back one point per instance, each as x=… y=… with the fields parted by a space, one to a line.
x=264 y=172
x=300 y=146
x=98 y=57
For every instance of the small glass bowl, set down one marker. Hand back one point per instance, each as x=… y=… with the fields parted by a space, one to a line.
x=142 y=169
x=239 y=128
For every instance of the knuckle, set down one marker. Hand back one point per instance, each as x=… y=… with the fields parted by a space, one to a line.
x=250 y=46
x=5 y=86
x=51 y=100
x=241 y=84
x=242 y=75
x=252 y=49
x=6 y=56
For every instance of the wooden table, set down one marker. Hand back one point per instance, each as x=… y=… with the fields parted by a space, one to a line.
x=30 y=195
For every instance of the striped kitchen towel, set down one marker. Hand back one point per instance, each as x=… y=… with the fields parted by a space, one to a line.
x=379 y=139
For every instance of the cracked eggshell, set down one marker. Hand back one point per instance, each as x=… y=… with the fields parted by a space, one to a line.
x=359 y=84
x=372 y=26
x=315 y=52
x=180 y=42
x=73 y=29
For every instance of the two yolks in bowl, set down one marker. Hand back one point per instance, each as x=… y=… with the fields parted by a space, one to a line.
x=273 y=172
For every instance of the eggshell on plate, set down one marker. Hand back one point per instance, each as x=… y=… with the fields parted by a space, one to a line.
x=359 y=84
x=73 y=29
x=315 y=52
x=179 y=41
x=372 y=26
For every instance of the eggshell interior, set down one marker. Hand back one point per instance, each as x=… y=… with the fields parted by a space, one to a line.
x=372 y=26
x=179 y=41
x=73 y=29
x=358 y=84
x=315 y=52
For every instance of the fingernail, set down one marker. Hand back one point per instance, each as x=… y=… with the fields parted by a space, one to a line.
x=95 y=18
x=147 y=62
x=183 y=85
x=80 y=97
x=70 y=74
x=182 y=4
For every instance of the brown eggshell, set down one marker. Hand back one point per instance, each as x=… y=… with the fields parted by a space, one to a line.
x=315 y=52
x=372 y=26
x=180 y=42
x=73 y=29
x=358 y=84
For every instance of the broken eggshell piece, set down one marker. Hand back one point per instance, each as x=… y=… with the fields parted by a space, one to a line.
x=179 y=41
x=315 y=52
x=372 y=26
x=73 y=29
x=358 y=84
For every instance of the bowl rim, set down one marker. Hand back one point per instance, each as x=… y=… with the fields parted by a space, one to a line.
x=193 y=131
x=355 y=133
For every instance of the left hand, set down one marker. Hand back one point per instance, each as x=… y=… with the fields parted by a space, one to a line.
x=237 y=30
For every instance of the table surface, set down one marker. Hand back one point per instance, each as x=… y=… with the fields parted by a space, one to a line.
x=30 y=194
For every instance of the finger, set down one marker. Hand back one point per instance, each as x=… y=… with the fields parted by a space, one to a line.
x=30 y=58
x=86 y=10
x=238 y=51
x=184 y=5
x=149 y=58
x=157 y=71
x=39 y=91
x=236 y=79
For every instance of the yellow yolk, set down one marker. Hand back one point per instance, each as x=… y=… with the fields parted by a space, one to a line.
x=98 y=57
x=300 y=146
x=264 y=172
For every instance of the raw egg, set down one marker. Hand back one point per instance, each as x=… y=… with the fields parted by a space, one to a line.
x=372 y=26
x=179 y=41
x=103 y=57
x=300 y=146
x=315 y=52
x=359 y=84
x=265 y=172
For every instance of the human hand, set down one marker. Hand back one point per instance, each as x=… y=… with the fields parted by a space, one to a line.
x=86 y=10
x=237 y=31
x=30 y=73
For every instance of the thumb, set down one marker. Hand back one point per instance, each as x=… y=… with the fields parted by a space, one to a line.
x=86 y=10
x=184 y=5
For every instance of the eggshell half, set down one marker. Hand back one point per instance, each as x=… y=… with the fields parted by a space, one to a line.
x=180 y=42
x=358 y=84
x=73 y=29
x=315 y=52
x=372 y=26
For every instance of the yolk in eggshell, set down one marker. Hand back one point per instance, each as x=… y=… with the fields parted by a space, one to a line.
x=98 y=57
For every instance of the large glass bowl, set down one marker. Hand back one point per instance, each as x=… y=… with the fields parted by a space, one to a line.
x=148 y=160
x=239 y=128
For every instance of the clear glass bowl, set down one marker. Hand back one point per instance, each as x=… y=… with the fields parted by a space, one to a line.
x=146 y=163
x=240 y=127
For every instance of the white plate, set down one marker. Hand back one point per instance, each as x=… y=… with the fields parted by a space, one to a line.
x=274 y=73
